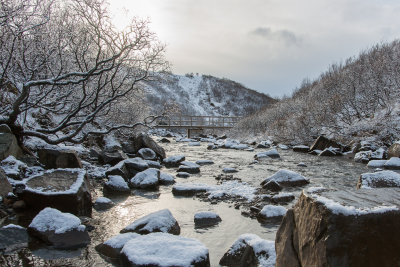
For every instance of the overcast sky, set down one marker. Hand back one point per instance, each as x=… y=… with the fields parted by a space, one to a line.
x=267 y=45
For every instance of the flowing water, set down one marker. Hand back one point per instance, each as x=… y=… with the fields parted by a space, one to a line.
x=337 y=172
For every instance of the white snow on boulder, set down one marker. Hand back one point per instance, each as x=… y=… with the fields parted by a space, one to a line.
x=117 y=182
x=50 y=219
x=376 y=163
x=379 y=179
x=270 y=211
x=120 y=240
x=232 y=189
x=13 y=167
x=166 y=178
x=393 y=163
x=338 y=208
x=283 y=147
x=285 y=176
x=160 y=249
x=146 y=178
x=159 y=221
x=205 y=214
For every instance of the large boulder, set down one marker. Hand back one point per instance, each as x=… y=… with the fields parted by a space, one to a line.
x=13 y=238
x=9 y=146
x=60 y=230
x=142 y=140
x=392 y=164
x=394 y=150
x=173 y=161
x=111 y=157
x=321 y=143
x=271 y=212
x=54 y=159
x=148 y=179
x=206 y=218
x=116 y=185
x=5 y=186
x=379 y=179
x=286 y=178
x=159 y=221
x=160 y=249
x=341 y=228
x=64 y=189
x=249 y=250
x=189 y=167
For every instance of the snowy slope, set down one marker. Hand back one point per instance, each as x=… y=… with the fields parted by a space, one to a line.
x=202 y=95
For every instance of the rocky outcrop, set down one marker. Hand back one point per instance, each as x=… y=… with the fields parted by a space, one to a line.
x=60 y=230
x=159 y=221
x=54 y=159
x=341 y=228
x=64 y=189
x=321 y=143
x=5 y=186
x=9 y=146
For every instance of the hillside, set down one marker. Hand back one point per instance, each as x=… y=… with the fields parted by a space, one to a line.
x=357 y=99
x=202 y=95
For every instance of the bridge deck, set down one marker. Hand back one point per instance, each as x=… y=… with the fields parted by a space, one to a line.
x=197 y=122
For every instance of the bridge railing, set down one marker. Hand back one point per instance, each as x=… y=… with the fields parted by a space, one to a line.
x=187 y=121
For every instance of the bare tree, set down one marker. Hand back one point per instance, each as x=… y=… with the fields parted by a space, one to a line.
x=66 y=59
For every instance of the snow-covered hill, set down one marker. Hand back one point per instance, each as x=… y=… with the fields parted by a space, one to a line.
x=202 y=95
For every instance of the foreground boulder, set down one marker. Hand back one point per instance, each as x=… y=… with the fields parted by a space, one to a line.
x=148 y=179
x=249 y=250
x=341 y=228
x=12 y=238
x=189 y=167
x=160 y=249
x=54 y=159
x=379 y=179
x=159 y=221
x=9 y=146
x=116 y=185
x=392 y=164
x=271 y=212
x=60 y=230
x=113 y=246
x=286 y=178
x=64 y=189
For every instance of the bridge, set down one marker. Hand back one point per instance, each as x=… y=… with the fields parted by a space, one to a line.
x=196 y=123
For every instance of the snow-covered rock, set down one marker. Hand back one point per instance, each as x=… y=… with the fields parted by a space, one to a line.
x=148 y=179
x=283 y=197
x=173 y=161
x=206 y=218
x=64 y=189
x=271 y=211
x=301 y=164
x=147 y=154
x=116 y=185
x=159 y=221
x=189 y=167
x=231 y=189
x=265 y=144
x=189 y=189
x=13 y=238
x=61 y=230
x=330 y=152
x=393 y=163
x=166 y=179
x=272 y=153
x=250 y=250
x=103 y=203
x=301 y=148
x=153 y=164
x=283 y=147
x=183 y=174
x=286 y=178
x=14 y=168
x=379 y=179
x=376 y=163
x=112 y=247
x=161 y=250
x=194 y=144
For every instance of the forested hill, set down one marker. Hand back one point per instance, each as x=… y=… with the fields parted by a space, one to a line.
x=356 y=99
x=202 y=95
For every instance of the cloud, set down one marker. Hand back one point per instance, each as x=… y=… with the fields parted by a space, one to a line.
x=285 y=36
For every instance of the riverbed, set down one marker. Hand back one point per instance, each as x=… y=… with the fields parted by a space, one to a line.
x=329 y=172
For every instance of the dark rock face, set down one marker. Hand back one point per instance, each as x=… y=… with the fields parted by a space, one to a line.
x=321 y=143
x=53 y=159
x=9 y=146
x=272 y=186
x=66 y=190
x=394 y=150
x=301 y=149
x=111 y=157
x=5 y=186
x=316 y=234
x=142 y=140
